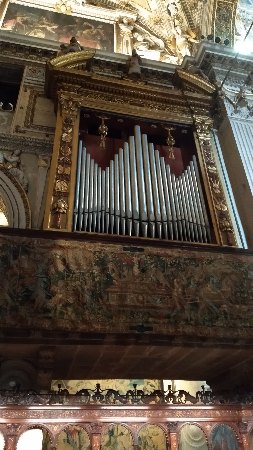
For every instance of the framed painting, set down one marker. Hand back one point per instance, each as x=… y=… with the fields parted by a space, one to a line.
x=44 y=24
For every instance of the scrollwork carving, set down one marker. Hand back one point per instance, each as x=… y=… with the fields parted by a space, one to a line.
x=96 y=428
x=69 y=110
x=204 y=127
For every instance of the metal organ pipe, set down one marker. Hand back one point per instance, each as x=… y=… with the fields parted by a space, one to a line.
x=138 y=195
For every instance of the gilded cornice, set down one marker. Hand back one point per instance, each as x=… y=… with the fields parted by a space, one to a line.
x=134 y=98
x=25 y=52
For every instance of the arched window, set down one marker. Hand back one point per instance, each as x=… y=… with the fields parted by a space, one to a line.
x=2 y=442
x=3 y=213
x=31 y=439
x=14 y=204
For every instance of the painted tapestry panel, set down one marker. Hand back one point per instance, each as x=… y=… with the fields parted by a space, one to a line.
x=224 y=438
x=95 y=287
x=192 y=438
x=58 y=27
x=73 y=438
x=117 y=437
x=152 y=437
x=73 y=386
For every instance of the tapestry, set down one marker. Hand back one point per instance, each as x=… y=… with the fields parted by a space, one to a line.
x=117 y=437
x=73 y=438
x=73 y=386
x=58 y=27
x=224 y=438
x=96 y=287
x=192 y=438
x=152 y=437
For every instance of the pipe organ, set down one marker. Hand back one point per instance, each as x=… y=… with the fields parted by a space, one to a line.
x=138 y=195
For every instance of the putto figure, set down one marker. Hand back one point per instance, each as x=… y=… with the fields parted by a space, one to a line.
x=13 y=164
x=134 y=65
x=72 y=47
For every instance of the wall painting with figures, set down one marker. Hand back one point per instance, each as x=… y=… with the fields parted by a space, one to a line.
x=58 y=27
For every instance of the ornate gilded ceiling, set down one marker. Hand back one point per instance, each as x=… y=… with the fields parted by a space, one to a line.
x=164 y=30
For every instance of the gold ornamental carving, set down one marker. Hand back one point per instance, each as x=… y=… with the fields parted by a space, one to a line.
x=62 y=176
x=204 y=127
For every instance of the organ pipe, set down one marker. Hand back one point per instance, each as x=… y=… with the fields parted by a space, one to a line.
x=138 y=195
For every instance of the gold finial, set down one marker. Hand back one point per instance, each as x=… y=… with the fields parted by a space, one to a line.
x=170 y=141
x=103 y=131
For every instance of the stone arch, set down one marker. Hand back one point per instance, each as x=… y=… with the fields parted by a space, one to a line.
x=152 y=435
x=192 y=437
x=43 y=428
x=223 y=435
x=75 y=433
x=118 y=436
x=16 y=201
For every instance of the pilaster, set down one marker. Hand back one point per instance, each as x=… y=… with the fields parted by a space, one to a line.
x=219 y=210
x=60 y=196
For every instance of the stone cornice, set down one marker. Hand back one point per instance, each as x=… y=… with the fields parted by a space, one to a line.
x=25 y=144
x=210 y=57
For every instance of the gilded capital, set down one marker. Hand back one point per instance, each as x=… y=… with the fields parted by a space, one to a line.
x=69 y=107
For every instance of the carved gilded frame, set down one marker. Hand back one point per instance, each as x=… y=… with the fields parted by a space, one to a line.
x=189 y=103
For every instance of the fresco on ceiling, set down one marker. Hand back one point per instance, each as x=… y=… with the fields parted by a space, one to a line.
x=58 y=27
x=73 y=386
x=95 y=287
x=152 y=437
x=191 y=437
x=117 y=437
x=73 y=438
x=224 y=438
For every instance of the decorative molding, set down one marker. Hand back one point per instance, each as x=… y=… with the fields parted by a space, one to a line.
x=224 y=19
x=61 y=194
x=10 y=142
x=220 y=208
x=125 y=413
x=30 y=111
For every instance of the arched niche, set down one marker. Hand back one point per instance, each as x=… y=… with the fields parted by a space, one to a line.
x=117 y=437
x=152 y=437
x=17 y=209
x=192 y=437
x=36 y=438
x=223 y=437
x=73 y=437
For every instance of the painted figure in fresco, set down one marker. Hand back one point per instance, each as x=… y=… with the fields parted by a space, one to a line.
x=224 y=438
x=13 y=164
x=134 y=65
x=117 y=439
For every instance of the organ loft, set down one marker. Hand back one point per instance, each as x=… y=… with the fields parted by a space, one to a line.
x=126 y=225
